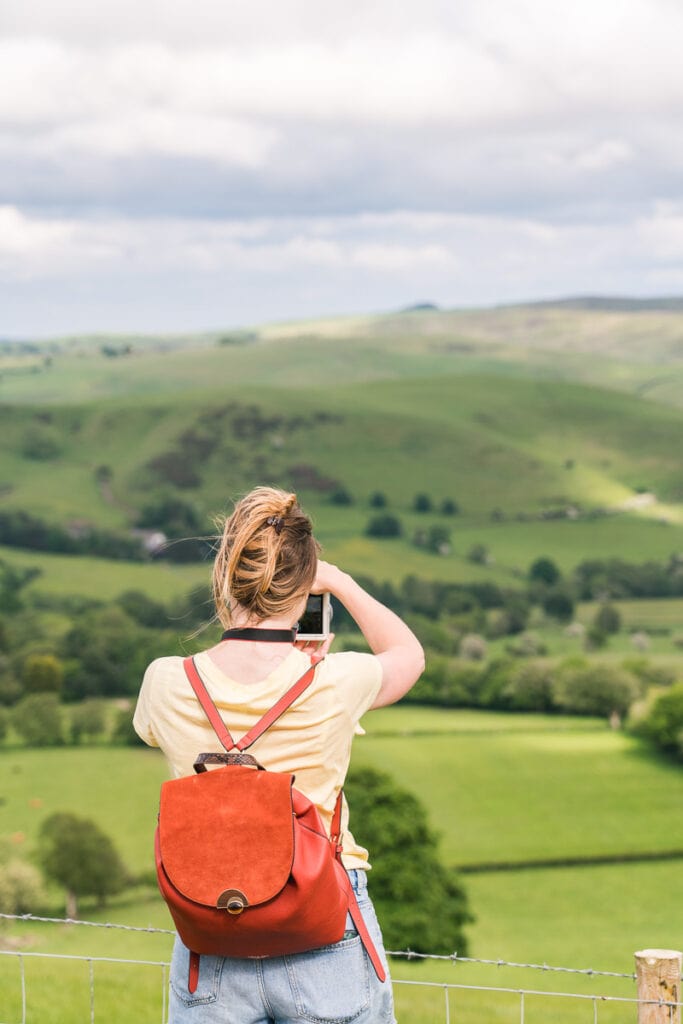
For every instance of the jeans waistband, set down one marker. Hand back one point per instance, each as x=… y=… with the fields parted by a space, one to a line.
x=359 y=881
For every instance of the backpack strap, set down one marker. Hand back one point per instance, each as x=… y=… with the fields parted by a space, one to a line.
x=354 y=909
x=364 y=934
x=271 y=716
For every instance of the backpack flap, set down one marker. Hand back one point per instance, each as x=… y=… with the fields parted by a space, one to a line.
x=226 y=837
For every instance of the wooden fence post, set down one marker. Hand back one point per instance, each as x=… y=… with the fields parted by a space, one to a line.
x=658 y=976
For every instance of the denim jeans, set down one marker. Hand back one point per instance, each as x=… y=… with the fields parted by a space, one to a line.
x=333 y=985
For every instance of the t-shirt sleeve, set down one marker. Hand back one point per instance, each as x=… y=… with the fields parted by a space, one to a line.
x=359 y=677
x=142 y=719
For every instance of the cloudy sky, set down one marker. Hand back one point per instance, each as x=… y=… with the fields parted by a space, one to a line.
x=175 y=164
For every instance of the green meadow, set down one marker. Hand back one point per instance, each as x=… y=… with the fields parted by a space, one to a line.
x=498 y=788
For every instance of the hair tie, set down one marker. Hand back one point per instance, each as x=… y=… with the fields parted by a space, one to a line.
x=276 y=521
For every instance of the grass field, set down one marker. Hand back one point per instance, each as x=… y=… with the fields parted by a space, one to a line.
x=497 y=787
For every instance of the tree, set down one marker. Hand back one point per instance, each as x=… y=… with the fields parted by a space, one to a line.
x=422 y=503
x=558 y=604
x=596 y=689
x=76 y=854
x=39 y=721
x=530 y=687
x=10 y=687
x=341 y=496
x=436 y=539
x=420 y=903
x=450 y=507
x=384 y=526
x=88 y=720
x=378 y=500
x=473 y=647
x=607 y=618
x=106 y=654
x=41 y=442
x=544 y=570
x=478 y=554
x=12 y=582
x=664 y=723
x=42 y=673
x=143 y=610
x=123 y=733
x=175 y=516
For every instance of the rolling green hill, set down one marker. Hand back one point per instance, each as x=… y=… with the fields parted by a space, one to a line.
x=541 y=422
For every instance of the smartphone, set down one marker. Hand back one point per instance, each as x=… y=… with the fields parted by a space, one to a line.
x=314 y=624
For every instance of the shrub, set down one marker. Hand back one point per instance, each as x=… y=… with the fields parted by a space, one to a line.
x=378 y=500
x=21 y=888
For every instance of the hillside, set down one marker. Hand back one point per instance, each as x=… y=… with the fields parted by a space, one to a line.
x=543 y=449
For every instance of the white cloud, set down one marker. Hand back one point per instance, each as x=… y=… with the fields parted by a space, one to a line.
x=374 y=149
x=661 y=233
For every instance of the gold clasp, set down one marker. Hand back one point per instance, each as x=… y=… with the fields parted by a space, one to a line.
x=233 y=901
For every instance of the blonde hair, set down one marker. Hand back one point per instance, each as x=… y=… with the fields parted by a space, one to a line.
x=267 y=557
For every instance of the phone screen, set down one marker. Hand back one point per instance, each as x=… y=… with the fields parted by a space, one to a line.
x=311 y=622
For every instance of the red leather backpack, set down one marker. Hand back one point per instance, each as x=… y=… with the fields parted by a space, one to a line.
x=243 y=860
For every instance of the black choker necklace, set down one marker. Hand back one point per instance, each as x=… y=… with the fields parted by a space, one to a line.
x=274 y=636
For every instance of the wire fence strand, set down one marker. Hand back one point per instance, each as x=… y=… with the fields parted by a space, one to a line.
x=406 y=954
x=448 y=989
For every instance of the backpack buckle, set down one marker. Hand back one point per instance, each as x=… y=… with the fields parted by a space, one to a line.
x=233 y=901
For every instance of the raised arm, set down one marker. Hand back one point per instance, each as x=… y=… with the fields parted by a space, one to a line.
x=396 y=646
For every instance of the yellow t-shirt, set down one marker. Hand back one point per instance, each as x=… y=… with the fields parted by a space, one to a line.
x=312 y=740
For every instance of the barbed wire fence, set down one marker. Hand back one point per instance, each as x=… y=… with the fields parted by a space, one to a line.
x=657 y=977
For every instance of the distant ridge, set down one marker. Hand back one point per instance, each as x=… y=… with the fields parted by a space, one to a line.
x=607 y=303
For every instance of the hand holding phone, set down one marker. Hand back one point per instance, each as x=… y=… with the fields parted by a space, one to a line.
x=314 y=624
